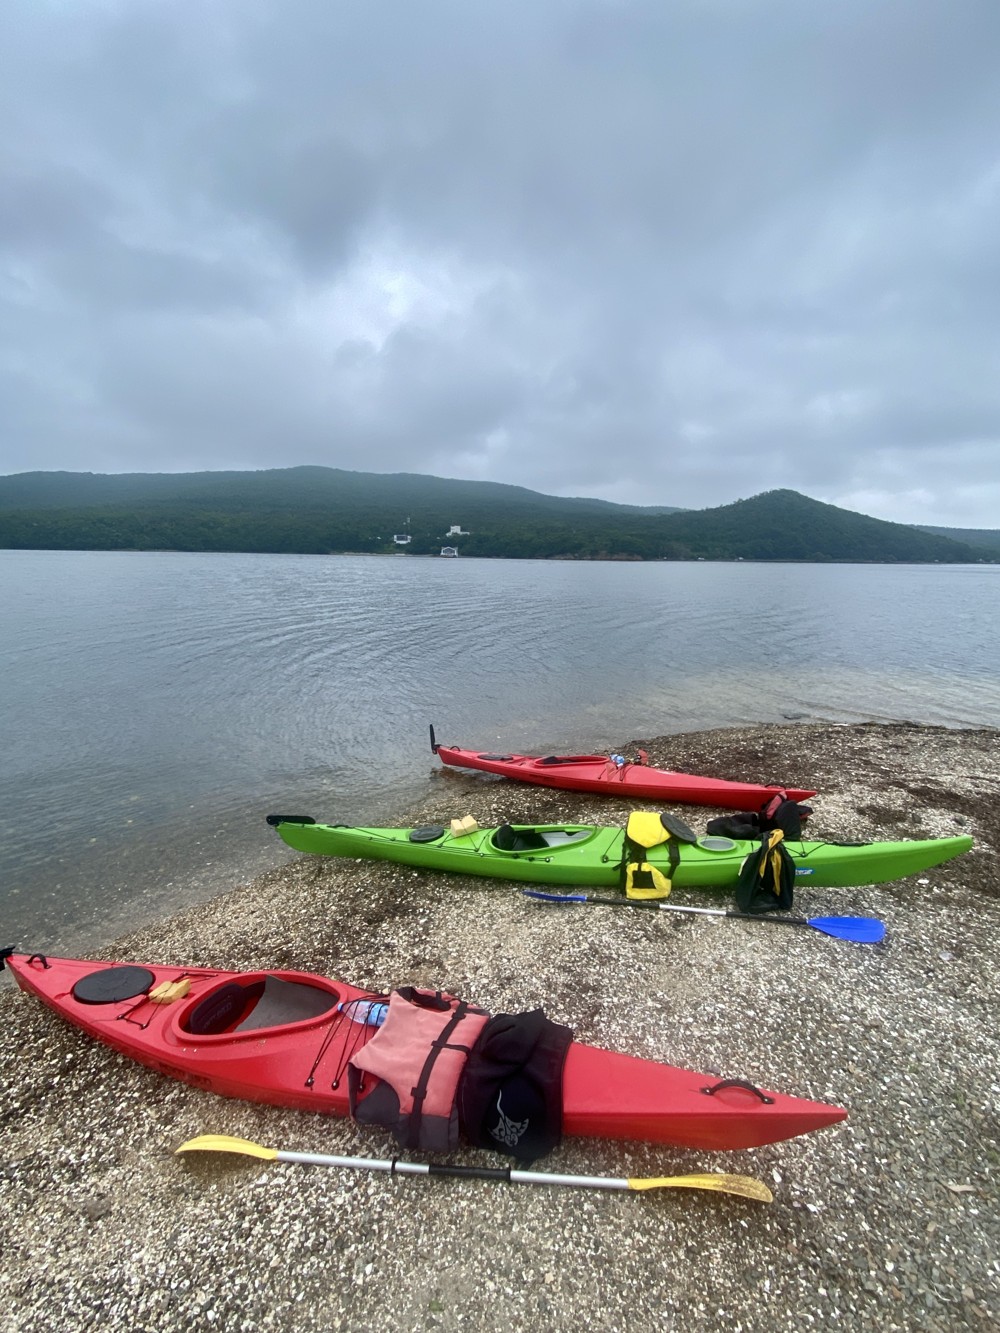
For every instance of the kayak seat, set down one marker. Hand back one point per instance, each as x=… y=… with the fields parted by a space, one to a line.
x=223 y=1009
x=262 y=1004
x=287 y=1002
x=508 y=839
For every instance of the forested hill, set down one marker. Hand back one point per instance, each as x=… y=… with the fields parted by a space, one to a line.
x=784 y=525
x=316 y=510
x=989 y=537
x=291 y=488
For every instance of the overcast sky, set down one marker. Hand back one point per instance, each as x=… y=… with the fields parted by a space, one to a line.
x=658 y=252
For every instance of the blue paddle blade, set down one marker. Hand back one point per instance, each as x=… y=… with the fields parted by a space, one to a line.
x=555 y=897
x=864 y=929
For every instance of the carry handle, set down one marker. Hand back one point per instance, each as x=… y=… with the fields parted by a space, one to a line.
x=739 y=1083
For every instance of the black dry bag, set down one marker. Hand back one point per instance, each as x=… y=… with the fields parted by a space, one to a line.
x=767 y=878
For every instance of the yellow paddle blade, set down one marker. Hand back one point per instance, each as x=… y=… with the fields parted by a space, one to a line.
x=224 y=1143
x=745 y=1186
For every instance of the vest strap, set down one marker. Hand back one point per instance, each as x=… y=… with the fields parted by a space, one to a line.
x=440 y=1043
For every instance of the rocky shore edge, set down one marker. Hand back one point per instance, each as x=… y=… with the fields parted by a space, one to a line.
x=890 y=1220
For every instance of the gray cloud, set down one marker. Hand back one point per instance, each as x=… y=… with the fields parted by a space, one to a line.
x=661 y=254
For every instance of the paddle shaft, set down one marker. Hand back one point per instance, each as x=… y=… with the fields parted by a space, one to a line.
x=739 y=916
x=670 y=907
x=860 y=929
x=506 y=1174
x=743 y=1186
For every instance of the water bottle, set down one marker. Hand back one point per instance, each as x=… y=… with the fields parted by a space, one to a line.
x=371 y=1012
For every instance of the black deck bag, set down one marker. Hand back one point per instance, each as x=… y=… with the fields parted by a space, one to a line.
x=510 y=1093
x=776 y=812
x=742 y=826
x=767 y=877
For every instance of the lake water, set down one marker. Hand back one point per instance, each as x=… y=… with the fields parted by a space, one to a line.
x=155 y=707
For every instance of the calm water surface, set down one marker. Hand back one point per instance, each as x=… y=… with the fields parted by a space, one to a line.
x=155 y=707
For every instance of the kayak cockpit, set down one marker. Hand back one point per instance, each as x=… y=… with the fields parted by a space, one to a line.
x=555 y=760
x=255 y=1003
x=511 y=838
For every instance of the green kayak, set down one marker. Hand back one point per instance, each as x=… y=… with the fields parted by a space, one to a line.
x=581 y=854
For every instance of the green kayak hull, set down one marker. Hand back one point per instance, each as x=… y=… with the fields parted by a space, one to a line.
x=579 y=854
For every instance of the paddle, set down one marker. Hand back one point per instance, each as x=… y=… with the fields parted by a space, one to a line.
x=863 y=929
x=745 y=1186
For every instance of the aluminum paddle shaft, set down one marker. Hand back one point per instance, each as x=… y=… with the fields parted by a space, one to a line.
x=743 y=1186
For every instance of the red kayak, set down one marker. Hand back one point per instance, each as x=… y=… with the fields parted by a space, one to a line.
x=617 y=776
x=285 y=1038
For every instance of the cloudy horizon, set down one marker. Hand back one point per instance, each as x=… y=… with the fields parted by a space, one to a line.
x=659 y=255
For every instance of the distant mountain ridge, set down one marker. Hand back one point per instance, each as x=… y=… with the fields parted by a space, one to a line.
x=989 y=537
x=319 y=510
x=276 y=487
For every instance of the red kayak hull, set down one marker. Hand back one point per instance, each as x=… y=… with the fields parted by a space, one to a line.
x=596 y=773
x=302 y=1064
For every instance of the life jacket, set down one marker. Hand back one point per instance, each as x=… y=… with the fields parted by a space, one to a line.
x=416 y=1057
x=646 y=829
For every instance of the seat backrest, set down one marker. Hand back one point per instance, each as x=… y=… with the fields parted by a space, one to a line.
x=221 y=1009
x=508 y=839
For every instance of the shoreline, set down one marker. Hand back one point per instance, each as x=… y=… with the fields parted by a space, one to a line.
x=889 y=1220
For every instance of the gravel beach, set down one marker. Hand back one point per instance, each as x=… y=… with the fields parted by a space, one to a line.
x=888 y=1221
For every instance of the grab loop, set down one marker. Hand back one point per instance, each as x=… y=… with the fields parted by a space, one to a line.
x=739 y=1083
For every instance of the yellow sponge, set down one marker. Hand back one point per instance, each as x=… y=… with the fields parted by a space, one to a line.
x=459 y=827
